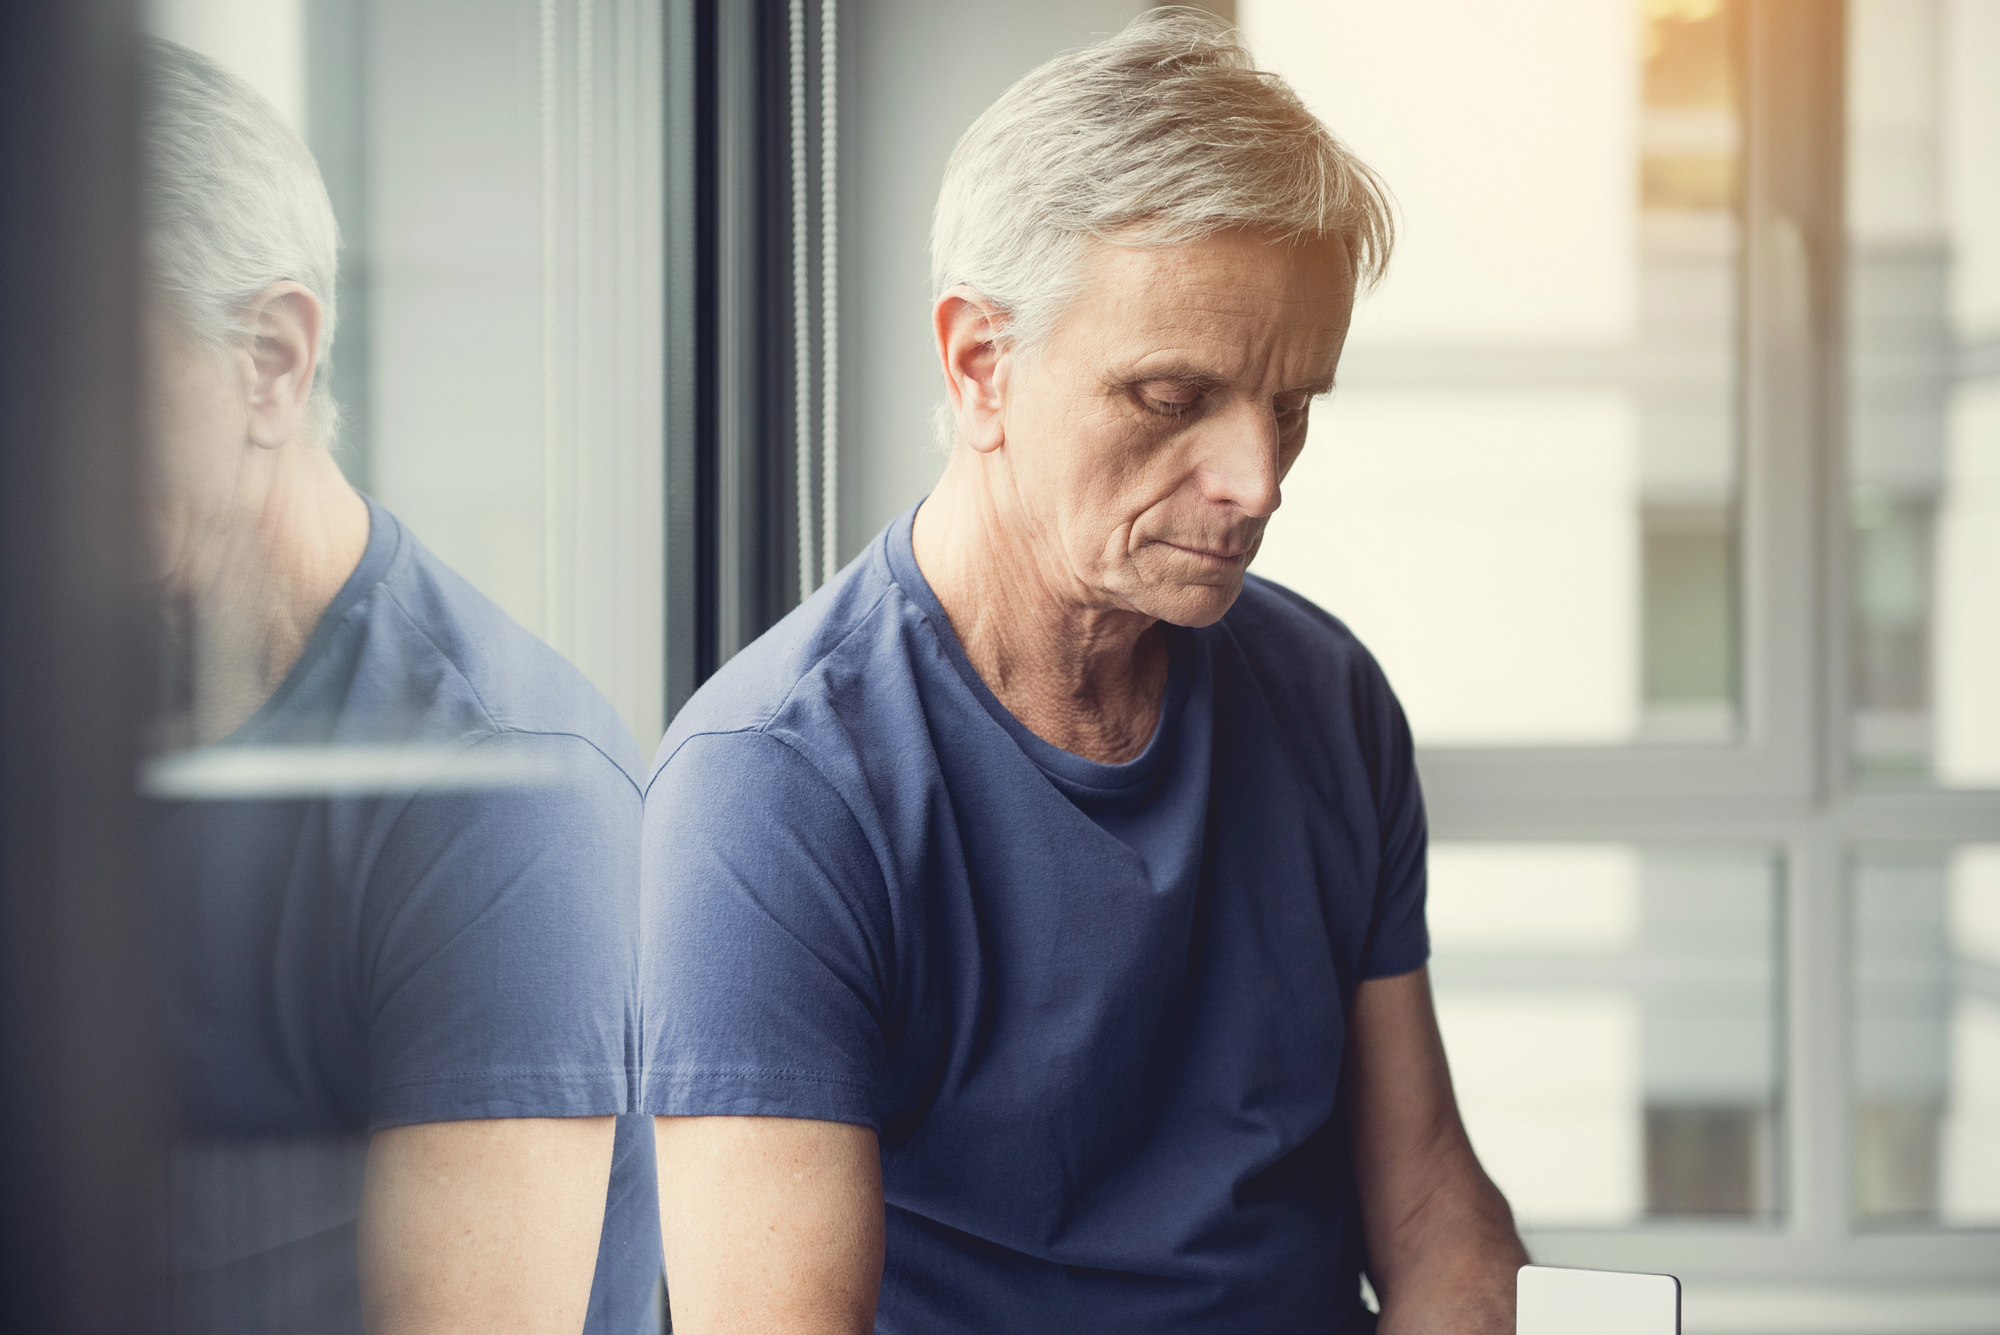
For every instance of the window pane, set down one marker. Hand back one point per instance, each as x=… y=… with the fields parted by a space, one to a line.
x=1533 y=449
x=392 y=814
x=501 y=387
x=497 y=357
x=1924 y=214
x=1610 y=1012
x=1927 y=1003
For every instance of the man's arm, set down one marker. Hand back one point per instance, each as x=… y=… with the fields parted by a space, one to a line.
x=1442 y=1251
x=771 y=1225
x=483 y=1226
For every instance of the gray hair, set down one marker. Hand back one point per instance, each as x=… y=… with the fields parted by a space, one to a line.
x=1162 y=134
x=234 y=203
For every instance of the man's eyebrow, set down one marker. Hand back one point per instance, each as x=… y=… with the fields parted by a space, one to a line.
x=1202 y=377
x=1186 y=372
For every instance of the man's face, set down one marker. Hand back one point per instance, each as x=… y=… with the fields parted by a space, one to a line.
x=1148 y=434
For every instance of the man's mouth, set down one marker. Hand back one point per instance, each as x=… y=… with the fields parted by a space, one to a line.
x=1221 y=554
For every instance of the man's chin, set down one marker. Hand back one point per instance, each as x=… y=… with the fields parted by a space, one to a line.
x=1194 y=605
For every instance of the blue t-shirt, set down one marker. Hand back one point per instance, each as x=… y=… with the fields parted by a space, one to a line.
x=412 y=898
x=1095 y=1012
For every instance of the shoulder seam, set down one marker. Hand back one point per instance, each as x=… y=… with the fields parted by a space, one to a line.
x=498 y=728
x=762 y=724
x=751 y=730
x=630 y=782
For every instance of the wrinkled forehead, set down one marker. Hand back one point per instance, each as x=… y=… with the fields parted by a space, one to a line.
x=1244 y=299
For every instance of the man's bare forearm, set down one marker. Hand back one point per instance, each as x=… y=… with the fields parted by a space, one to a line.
x=1448 y=1266
x=1442 y=1250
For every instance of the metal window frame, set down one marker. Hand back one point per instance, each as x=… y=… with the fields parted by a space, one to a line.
x=731 y=516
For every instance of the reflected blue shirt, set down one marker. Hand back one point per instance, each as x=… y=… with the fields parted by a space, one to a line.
x=350 y=954
x=1095 y=1013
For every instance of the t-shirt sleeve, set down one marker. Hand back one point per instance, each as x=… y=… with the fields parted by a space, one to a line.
x=500 y=961
x=1400 y=940
x=765 y=958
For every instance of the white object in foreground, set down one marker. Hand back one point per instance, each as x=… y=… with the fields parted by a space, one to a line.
x=1553 y=1300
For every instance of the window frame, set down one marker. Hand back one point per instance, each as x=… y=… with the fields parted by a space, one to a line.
x=731 y=515
x=1787 y=783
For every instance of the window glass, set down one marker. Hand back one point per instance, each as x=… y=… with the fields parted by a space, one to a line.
x=1924 y=429
x=1610 y=1013
x=405 y=505
x=1522 y=496
x=1927 y=1060
x=497 y=360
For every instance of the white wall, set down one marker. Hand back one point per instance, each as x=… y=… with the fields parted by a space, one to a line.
x=920 y=72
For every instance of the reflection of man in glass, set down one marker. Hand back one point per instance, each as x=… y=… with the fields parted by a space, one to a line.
x=395 y=840
x=1041 y=905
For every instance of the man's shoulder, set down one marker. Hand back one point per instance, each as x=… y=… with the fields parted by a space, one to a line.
x=438 y=661
x=837 y=670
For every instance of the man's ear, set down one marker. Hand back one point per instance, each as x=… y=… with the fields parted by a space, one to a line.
x=283 y=353
x=975 y=366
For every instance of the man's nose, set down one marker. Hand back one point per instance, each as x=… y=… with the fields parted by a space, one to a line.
x=1242 y=466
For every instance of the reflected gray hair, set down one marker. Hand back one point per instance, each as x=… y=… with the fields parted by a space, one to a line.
x=233 y=203
x=1162 y=134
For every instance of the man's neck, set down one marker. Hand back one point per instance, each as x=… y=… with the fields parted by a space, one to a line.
x=257 y=577
x=1079 y=674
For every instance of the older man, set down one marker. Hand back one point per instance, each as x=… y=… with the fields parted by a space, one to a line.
x=394 y=844
x=1041 y=904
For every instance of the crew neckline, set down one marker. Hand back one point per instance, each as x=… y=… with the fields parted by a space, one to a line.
x=1058 y=763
